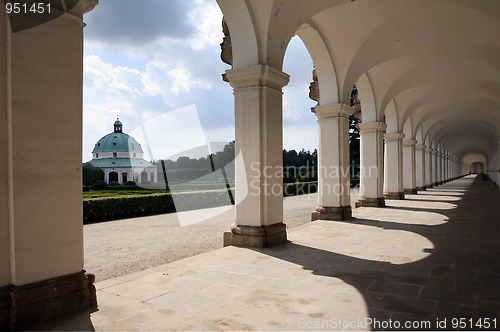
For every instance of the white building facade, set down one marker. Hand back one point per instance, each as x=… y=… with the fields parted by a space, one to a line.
x=120 y=156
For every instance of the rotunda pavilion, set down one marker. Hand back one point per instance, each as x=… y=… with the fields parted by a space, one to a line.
x=120 y=156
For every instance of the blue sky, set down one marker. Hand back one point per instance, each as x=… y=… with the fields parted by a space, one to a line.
x=156 y=64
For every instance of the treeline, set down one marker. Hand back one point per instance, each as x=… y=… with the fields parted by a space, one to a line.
x=298 y=166
x=91 y=174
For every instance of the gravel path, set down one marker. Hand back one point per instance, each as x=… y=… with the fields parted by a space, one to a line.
x=119 y=247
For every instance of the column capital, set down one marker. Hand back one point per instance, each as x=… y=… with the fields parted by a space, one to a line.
x=332 y=111
x=409 y=142
x=257 y=76
x=428 y=150
x=420 y=147
x=83 y=6
x=367 y=127
x=394 y=137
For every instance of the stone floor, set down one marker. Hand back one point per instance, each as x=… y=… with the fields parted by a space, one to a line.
x=433 y=258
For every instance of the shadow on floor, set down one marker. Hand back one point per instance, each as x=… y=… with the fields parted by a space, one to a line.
x=460 y=279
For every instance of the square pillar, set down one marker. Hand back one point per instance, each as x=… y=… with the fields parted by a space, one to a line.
x=41 y=226
x=371 y=164
x=428 y=167
x=333 y=162
x=393 y=166
x=441 y=167
x=409 y=167
x=420 y=167
x=259 y=142
x=435 y=168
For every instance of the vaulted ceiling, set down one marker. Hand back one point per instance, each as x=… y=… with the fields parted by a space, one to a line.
x=429 y=68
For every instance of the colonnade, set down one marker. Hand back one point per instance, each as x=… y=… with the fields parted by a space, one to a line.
x=391 y=165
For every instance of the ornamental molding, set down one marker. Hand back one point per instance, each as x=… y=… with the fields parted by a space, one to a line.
x=332 y=111
x=394 y=137
x=368 y=127
x=257 y=76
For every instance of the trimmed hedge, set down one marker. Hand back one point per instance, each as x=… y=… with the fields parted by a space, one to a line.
x=111 y=208
x=119 y=207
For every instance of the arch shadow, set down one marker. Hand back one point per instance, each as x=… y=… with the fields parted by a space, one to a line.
x=459 y=278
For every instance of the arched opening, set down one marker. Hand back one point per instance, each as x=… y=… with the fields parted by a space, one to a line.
x=477 y=167
x=300 y=138
x=113 y=176
x=144 y=176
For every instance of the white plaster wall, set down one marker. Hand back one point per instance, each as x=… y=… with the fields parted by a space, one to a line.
x=472 y=158
x=47 y=119
x=4 y=205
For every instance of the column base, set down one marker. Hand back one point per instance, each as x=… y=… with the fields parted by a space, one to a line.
x=410 y=191
x=394 y=195
x=331 y=213
x=429 y=186
x=371 y=202
x=435 y=184
x=22 y=306
x=256 y=236
x=421 y=188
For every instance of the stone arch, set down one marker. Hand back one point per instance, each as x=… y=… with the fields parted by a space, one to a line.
x=477 y=167
x=322 y=61
x=419 y=135
x=244 y=43
x=368 y=104
x=408 y=129
x=391 y=117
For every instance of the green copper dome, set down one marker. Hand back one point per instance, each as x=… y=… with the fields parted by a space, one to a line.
x=117 y=141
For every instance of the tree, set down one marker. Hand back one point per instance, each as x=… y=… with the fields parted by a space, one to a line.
x=91 y=174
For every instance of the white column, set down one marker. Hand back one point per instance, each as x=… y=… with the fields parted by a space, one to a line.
x=428 y=168
x=259 y=182
x=435 y=168
x=333 y=162
x=371 y=164
x=443 y=167
x=393 y=166
x=448 y=168
x=420 y=167
x=409 y=167
x=439 y=167
x=41 y=226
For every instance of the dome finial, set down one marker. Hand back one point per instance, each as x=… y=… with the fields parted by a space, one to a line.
x=118 y=125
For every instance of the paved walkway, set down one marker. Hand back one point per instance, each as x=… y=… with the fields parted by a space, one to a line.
x=430 y=259
x=116 y=248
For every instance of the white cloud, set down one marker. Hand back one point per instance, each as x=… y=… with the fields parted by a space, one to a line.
x=207 y=18
x=183 y=81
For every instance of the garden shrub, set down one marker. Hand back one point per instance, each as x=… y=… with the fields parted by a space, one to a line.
x=100 y=185
x=119 y=207
x=113 y=184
